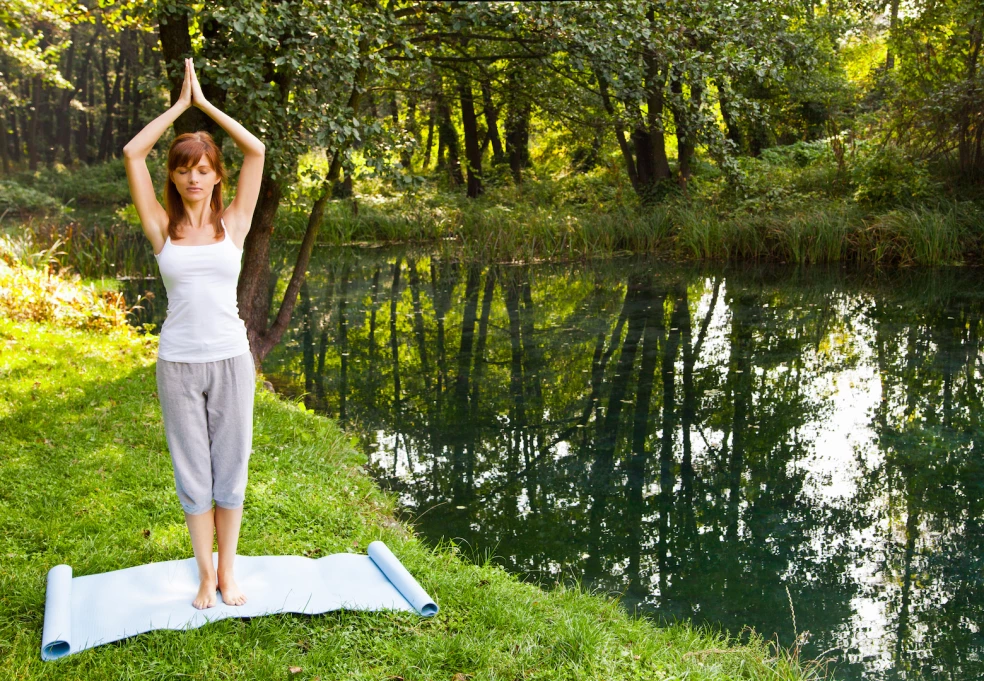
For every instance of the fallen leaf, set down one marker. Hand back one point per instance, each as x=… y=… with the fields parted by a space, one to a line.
x=294 y=670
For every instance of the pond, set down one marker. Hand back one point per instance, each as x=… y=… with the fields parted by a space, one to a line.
x=798 y=451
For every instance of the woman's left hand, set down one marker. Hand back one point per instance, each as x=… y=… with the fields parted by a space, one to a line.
x=197 y=97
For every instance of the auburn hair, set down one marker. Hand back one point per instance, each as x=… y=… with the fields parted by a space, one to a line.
x=185 y=151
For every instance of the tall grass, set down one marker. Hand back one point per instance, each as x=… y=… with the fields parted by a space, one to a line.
x=924 y=235
x=946 y=233
x=797 y=207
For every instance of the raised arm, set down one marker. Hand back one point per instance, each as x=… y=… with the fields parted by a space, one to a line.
x=153 y=217
x=239 y=214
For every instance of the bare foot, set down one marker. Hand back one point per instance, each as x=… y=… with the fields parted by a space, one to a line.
x=206 y=594
x=231 y=595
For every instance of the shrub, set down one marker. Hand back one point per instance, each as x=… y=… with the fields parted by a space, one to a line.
x=18 y=199
x=98 y=184
x=30 y=290
x=798 y=155
x=886 y=177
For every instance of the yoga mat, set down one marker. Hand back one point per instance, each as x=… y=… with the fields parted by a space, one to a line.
x=83 y=612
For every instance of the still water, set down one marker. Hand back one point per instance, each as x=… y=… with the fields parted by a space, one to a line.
x=798 y=451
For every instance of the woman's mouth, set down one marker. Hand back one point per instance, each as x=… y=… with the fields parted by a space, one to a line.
x=194 y=189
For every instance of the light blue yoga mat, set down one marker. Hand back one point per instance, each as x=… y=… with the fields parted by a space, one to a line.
x=88 y=611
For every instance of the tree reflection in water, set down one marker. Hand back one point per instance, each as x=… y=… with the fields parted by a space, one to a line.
x=710 y=445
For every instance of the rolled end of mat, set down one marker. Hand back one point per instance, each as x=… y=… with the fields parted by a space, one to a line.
x=57 y=634
x=404 y=582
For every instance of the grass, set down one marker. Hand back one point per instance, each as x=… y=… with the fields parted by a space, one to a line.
x=792 y=222
x=85 y=479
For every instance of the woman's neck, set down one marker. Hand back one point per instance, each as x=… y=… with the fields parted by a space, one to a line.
x=198 y=214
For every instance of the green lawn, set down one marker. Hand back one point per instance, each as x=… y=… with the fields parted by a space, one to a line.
x=85 y=479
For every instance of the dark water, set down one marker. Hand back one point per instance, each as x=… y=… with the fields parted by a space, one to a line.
x=796 y=451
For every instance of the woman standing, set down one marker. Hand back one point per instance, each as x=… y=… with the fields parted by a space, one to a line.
x=205 y=371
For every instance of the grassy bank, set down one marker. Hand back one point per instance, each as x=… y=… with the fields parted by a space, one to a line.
x=795 y=204
x=85 y=479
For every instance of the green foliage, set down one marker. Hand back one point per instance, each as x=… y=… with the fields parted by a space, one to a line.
x=798 y=155
x=25 y=43
x=97 y=184
x=30 y=290
x=888 y=177
x=15 y=198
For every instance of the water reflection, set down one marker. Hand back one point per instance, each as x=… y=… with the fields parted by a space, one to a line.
x=799 y=451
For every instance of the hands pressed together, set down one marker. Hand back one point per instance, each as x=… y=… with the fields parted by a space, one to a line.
x=191 y=89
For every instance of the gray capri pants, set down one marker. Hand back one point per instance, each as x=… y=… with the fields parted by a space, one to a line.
x=208 y=422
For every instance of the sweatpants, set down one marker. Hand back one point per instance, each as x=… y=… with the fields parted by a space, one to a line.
x=208 y=422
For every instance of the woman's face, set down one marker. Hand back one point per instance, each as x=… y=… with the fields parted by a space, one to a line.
x=196 y=182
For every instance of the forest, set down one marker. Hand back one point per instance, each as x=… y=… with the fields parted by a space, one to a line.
x=599 y=105
x=517 y=131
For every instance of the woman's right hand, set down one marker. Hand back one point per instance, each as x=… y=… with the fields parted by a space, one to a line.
x=184 y=100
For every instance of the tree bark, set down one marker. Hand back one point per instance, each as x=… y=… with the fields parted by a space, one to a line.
x=449 y=140
x=893 y=22
x=492 y=122
x=64 y=124
x=175 y=38
x=4 y=149
x=473 y=153
x=731 y=122
x=518 y=131
x=112 y=96
x=406 y=158
x=430 y=137
x=33 y=124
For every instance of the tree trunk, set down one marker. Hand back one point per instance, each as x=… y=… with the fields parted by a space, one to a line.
x=176 y=46
x=518 y=132
x=430 y=138
x=33 y=124
x=47 y=118
x=406 y=158
x=686 y=131
x=731 y=121
x=449 y=140
x=131 y=51
x=17 y=151
x=623 y=144
x=84 y=93
x=82 y=134
x=473 y=153
x=4 y=150
x=64 y=125
x=112 y=96
x=655 y=81
x=254 y=290
x=893 y=22
x=492 y=122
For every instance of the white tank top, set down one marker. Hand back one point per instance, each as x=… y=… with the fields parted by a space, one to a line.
x=203 y=322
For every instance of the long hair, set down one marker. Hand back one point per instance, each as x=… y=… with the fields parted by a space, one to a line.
x=185 y=151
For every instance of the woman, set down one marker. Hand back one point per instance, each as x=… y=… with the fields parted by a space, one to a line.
x=205 y=370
